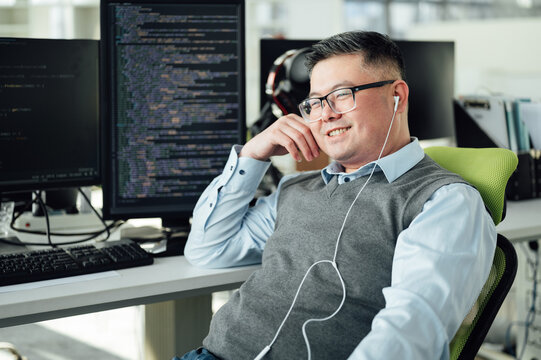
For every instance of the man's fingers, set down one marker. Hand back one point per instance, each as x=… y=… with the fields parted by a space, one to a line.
x=289 y=134
x=302 y=141
x=302 y=135
x=292 y=148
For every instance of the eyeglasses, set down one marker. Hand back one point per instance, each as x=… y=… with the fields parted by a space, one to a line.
x=340 y=100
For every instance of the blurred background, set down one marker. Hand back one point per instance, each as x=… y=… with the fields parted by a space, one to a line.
x=496 y=50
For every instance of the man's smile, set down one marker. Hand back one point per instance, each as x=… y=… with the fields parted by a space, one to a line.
x=338 y=131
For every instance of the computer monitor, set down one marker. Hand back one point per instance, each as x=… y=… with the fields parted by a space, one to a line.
x=49 y=116
x=172 y=100
x=430 y=76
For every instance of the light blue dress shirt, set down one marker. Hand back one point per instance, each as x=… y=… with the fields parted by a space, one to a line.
x=434 y=283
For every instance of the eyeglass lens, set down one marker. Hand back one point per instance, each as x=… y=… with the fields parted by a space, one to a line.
x=340 y=101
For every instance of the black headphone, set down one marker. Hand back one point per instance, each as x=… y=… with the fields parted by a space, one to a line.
x=288 y=82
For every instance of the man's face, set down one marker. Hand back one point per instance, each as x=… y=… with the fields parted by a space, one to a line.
x=354 y=138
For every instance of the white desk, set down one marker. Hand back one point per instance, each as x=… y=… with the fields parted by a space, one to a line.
x=173 y=278
x=522 y=221
x=169 y=278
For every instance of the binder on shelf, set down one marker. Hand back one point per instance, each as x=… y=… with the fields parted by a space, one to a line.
x=530 y=116
x=511 y=125
x=525 y=182
x=523 y=136
x=489 y=113
x=468 y=132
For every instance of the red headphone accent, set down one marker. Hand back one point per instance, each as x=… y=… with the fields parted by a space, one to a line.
x=288 y=80
x=270 y=87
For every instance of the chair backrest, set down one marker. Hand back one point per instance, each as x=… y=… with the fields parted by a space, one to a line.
x=472 y=332
x=488 y=170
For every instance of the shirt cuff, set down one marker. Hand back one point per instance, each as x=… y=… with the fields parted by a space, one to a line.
x=242 y=173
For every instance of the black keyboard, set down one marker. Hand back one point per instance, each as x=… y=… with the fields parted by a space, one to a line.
x=52 y=263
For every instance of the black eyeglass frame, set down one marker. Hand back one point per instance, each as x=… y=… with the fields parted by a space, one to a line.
x=354 y=89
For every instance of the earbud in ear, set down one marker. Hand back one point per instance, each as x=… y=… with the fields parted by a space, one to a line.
x=396 y=100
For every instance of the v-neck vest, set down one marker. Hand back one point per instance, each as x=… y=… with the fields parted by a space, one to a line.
x=309 y=216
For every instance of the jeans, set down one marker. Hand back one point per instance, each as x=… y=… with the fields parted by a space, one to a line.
x=199 y=354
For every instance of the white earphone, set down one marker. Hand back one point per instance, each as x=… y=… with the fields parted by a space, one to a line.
x=396 y=100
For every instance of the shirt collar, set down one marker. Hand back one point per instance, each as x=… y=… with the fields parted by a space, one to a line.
x=393 y=165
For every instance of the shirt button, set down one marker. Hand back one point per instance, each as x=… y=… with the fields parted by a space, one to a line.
x=211 y=204
x=346 y=179
x=242 y=172
x=231 y=168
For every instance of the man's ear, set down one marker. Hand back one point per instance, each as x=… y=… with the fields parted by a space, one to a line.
x=401 y=90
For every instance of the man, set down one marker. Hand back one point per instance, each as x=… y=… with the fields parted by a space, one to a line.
x=379 y=256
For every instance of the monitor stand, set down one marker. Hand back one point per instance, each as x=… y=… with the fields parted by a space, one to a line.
x=169 y=240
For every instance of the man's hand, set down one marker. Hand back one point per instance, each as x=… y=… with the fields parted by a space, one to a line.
x=289 y=134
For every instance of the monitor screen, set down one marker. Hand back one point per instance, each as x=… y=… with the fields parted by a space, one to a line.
x=49 y=123
x=430 y=75
x=173 y=101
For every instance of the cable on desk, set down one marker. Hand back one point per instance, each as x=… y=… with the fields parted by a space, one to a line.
x=107 y=228
x=45 y=212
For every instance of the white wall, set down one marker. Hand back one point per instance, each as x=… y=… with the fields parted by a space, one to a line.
x=315 y=19
x=498 y=56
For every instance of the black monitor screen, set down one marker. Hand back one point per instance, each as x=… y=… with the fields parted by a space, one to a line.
x=173 y=100
x=430 y=75
x=49 y=124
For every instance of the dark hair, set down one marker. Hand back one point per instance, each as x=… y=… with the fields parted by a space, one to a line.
x=376 y=49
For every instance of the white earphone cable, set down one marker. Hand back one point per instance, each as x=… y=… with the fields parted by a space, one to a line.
x=267 y=348
x=367 y=180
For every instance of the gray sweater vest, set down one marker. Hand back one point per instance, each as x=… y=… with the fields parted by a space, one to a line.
x=309 y=218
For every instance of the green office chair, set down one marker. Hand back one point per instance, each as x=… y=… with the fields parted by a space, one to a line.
x=488 y=170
